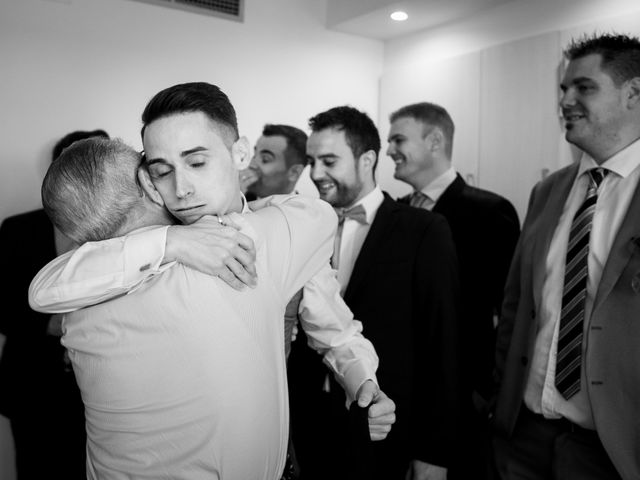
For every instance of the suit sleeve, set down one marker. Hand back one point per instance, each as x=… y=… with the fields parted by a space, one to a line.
x=437 y=390
x=506 y=227
x=510 y=302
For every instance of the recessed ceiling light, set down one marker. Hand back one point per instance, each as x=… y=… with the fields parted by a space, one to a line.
x=399 y=16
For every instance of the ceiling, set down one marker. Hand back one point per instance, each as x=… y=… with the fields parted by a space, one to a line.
x=370 y=18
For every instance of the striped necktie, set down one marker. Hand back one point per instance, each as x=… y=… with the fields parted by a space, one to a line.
x=419 y=200
x=574 y=293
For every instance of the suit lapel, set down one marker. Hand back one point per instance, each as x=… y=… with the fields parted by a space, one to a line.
x=451 y=193
x=623 y=246
x=379 y=231
x=548 y=221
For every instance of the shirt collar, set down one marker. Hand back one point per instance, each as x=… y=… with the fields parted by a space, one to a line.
x=371 y=202
x=245 y=204
x=438 y=185
x=622 y=163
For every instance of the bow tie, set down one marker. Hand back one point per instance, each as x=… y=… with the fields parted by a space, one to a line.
x=357 y=213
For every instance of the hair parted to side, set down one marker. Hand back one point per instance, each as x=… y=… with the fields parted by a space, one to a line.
x=620 y=54
x=431 y=115
x=296 y=152
x=69 y=138
x=359 y=130
x=91 y=189
x=190 y=98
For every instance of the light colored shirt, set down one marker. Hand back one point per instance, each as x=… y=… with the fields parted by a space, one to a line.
x=354 y=234
x=98 y=271
x=185 y=377
x=614 y=196
x=436 y=188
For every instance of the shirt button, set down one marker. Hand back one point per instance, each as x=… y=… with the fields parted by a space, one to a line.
x=524 y=361
x=533 y=314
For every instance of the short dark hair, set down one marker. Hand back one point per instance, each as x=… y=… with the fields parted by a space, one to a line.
x=189 y=98
x=296 y=151
x=90 y=191
x=359 y=130
x=69 y=138
x=431 y=115
x=620 y=54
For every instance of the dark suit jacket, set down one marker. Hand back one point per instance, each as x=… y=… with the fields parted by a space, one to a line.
x=404 y=289
x=612 y=335
x=39 y=395
x=485 y=229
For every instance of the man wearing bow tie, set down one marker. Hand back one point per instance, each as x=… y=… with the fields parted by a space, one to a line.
x=568 y=345
x=398 y=273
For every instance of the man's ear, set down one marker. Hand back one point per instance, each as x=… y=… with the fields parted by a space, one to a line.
x=633 y=93
x=294 y=172
x=368 y=160
x=437 y=139
x=240 y=153
x=147 y=186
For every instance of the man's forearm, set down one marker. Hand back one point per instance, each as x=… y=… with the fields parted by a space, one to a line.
x=333 y=332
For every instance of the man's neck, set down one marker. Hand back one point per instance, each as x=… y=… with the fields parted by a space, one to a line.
x=425 y=177
x=366 y=190
x=601 y=156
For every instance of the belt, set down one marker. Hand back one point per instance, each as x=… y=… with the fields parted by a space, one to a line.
x=561 y=424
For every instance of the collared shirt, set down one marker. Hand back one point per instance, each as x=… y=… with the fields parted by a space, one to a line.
x=436 y=188
x=614 y=196
x=354 y=234
x=185 y=377
x=98 y=271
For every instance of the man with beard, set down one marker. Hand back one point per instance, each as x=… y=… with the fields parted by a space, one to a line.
x=568 y=341
x=398 y=273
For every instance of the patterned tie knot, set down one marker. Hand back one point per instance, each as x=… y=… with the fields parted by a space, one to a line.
x=596 y=175
x=418 y=199
x=357 y=213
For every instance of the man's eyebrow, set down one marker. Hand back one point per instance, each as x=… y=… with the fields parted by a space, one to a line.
x=185 y=153
x=575 y=81
x=267 y=151
x=327 y=156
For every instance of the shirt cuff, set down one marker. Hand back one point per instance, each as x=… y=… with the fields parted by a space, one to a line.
x=354 y=377
x=144 y=253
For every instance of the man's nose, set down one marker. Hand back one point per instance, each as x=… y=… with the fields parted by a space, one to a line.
x=316 y=171
x=391 y=149
x=567 y=98
x=184 y=185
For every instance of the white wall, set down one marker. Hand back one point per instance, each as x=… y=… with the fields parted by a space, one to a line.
x=498 y=74
x=84 y=64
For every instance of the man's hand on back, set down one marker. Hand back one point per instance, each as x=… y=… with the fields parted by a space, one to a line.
x=214 y=249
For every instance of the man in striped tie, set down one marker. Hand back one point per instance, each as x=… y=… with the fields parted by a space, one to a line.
x=568 y=348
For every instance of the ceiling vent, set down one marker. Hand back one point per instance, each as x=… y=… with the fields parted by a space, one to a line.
x=229 y=9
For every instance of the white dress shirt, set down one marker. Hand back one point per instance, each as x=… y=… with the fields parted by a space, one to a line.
x=614 y=196
x=354 y=234
x=98 y=271
x=185 y=377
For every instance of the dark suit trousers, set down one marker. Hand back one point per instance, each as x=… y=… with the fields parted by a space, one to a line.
x=542 y=449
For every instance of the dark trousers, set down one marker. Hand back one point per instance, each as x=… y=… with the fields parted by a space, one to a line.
x=542 y=449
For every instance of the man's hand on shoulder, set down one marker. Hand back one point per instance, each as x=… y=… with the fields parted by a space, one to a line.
x=381 y=410
x=214 y=249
